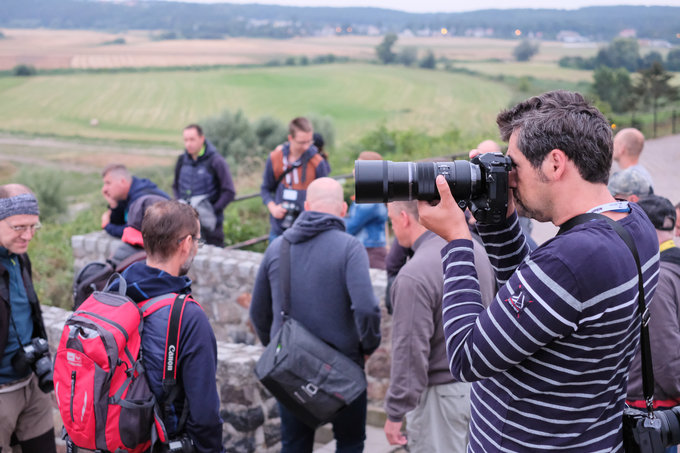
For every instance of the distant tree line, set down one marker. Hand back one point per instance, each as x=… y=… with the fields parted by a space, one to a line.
x=213 y=21
x=623 y=53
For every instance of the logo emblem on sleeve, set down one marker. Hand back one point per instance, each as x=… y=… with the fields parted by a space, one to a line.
x=518 y=301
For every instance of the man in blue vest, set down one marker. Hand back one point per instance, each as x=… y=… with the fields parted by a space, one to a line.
x=203 y=180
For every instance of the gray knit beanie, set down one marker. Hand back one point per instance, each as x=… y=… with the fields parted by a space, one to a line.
x=25 y=203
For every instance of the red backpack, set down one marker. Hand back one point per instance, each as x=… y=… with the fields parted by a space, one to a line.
x=99 y=379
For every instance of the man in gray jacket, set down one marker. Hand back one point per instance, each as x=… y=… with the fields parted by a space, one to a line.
x=422 y=390
x=331 y=295
x=664 y=311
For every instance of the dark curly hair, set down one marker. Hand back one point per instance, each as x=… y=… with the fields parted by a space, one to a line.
x=561 y=120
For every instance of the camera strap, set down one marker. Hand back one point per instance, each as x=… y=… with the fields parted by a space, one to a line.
x=284 y=276
x=646 y=353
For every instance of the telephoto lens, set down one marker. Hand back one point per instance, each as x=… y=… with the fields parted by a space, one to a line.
x=480 y=184
x=380 y=181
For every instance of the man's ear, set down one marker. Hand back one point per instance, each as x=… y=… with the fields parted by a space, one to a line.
x=344 y=209
x=404 y=218
x=306 y=205
x=555 y=164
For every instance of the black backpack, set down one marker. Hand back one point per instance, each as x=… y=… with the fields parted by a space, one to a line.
x=94 y=275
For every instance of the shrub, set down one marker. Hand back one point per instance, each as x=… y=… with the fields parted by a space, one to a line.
x=48 y=188
x=428 y=61
x=24 y=70
x=525 y=50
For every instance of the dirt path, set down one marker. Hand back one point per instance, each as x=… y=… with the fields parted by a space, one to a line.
x=80 y=157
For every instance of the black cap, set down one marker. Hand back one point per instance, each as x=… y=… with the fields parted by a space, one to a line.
x=660 y=211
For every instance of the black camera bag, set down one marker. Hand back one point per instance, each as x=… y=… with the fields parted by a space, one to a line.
x=310 y=378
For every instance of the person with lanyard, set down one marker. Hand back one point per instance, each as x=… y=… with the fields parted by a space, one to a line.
x=664 y=318
x=289 y=170
x=25 y=401
x=549 y=358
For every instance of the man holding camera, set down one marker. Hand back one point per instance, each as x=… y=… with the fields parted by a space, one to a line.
x=25 y=366
x=550 y=356
x=289 y=170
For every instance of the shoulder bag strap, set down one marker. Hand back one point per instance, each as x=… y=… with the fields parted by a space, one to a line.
x=284 y=275
x=646 y=353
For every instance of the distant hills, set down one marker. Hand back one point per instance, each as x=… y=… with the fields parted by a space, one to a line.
x=191 y=20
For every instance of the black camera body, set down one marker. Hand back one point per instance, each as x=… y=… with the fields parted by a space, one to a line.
x=292 y=213
x=183 y=444
x=36 y=356
x=480 y=184
x=645 y=434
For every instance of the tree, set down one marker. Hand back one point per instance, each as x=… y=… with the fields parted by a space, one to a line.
x=428 y=61
x=24 y=70
x=384 y=49
x=525 y=50
x=620 y=53
x=408 y=56
x=233 y=136
x=653 y=90
x=614 y=87
x=673 y=60
x=648 y=60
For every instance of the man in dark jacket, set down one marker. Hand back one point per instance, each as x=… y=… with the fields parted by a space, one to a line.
x=171 y=235
x=664 y=311
x=331 y=295
x=203 y=180
x=121 y=190
x=25 y=409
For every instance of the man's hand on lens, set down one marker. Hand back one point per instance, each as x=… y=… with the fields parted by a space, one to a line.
x=445 y=219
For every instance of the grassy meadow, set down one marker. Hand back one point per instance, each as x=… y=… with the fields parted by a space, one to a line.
x=152 y=107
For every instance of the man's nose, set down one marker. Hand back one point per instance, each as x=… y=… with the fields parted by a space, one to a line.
x=512 y=179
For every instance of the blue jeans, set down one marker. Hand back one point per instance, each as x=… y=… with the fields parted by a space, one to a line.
x=349 y=430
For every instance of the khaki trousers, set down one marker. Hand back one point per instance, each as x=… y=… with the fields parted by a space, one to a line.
x=439 y=424
x=26 y=411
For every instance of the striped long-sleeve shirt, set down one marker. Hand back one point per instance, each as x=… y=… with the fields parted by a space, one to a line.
x=552 y=352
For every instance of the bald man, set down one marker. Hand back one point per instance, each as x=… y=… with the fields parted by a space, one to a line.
x=331 y=295
x=628 y=144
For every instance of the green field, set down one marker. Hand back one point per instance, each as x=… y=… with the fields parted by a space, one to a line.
x=152 y=107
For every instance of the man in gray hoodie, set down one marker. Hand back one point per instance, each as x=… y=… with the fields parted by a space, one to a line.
x=331 y=295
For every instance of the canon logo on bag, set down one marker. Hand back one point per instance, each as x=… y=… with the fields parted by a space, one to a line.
x=171 y=357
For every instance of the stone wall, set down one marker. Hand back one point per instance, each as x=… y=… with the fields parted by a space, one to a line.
x=222 y=283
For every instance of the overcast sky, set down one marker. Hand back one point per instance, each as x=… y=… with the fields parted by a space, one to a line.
x=429 y=6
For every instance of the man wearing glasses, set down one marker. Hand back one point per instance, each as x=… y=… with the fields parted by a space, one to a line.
x=289 y=170
x=25 y=409
x=172 y=236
